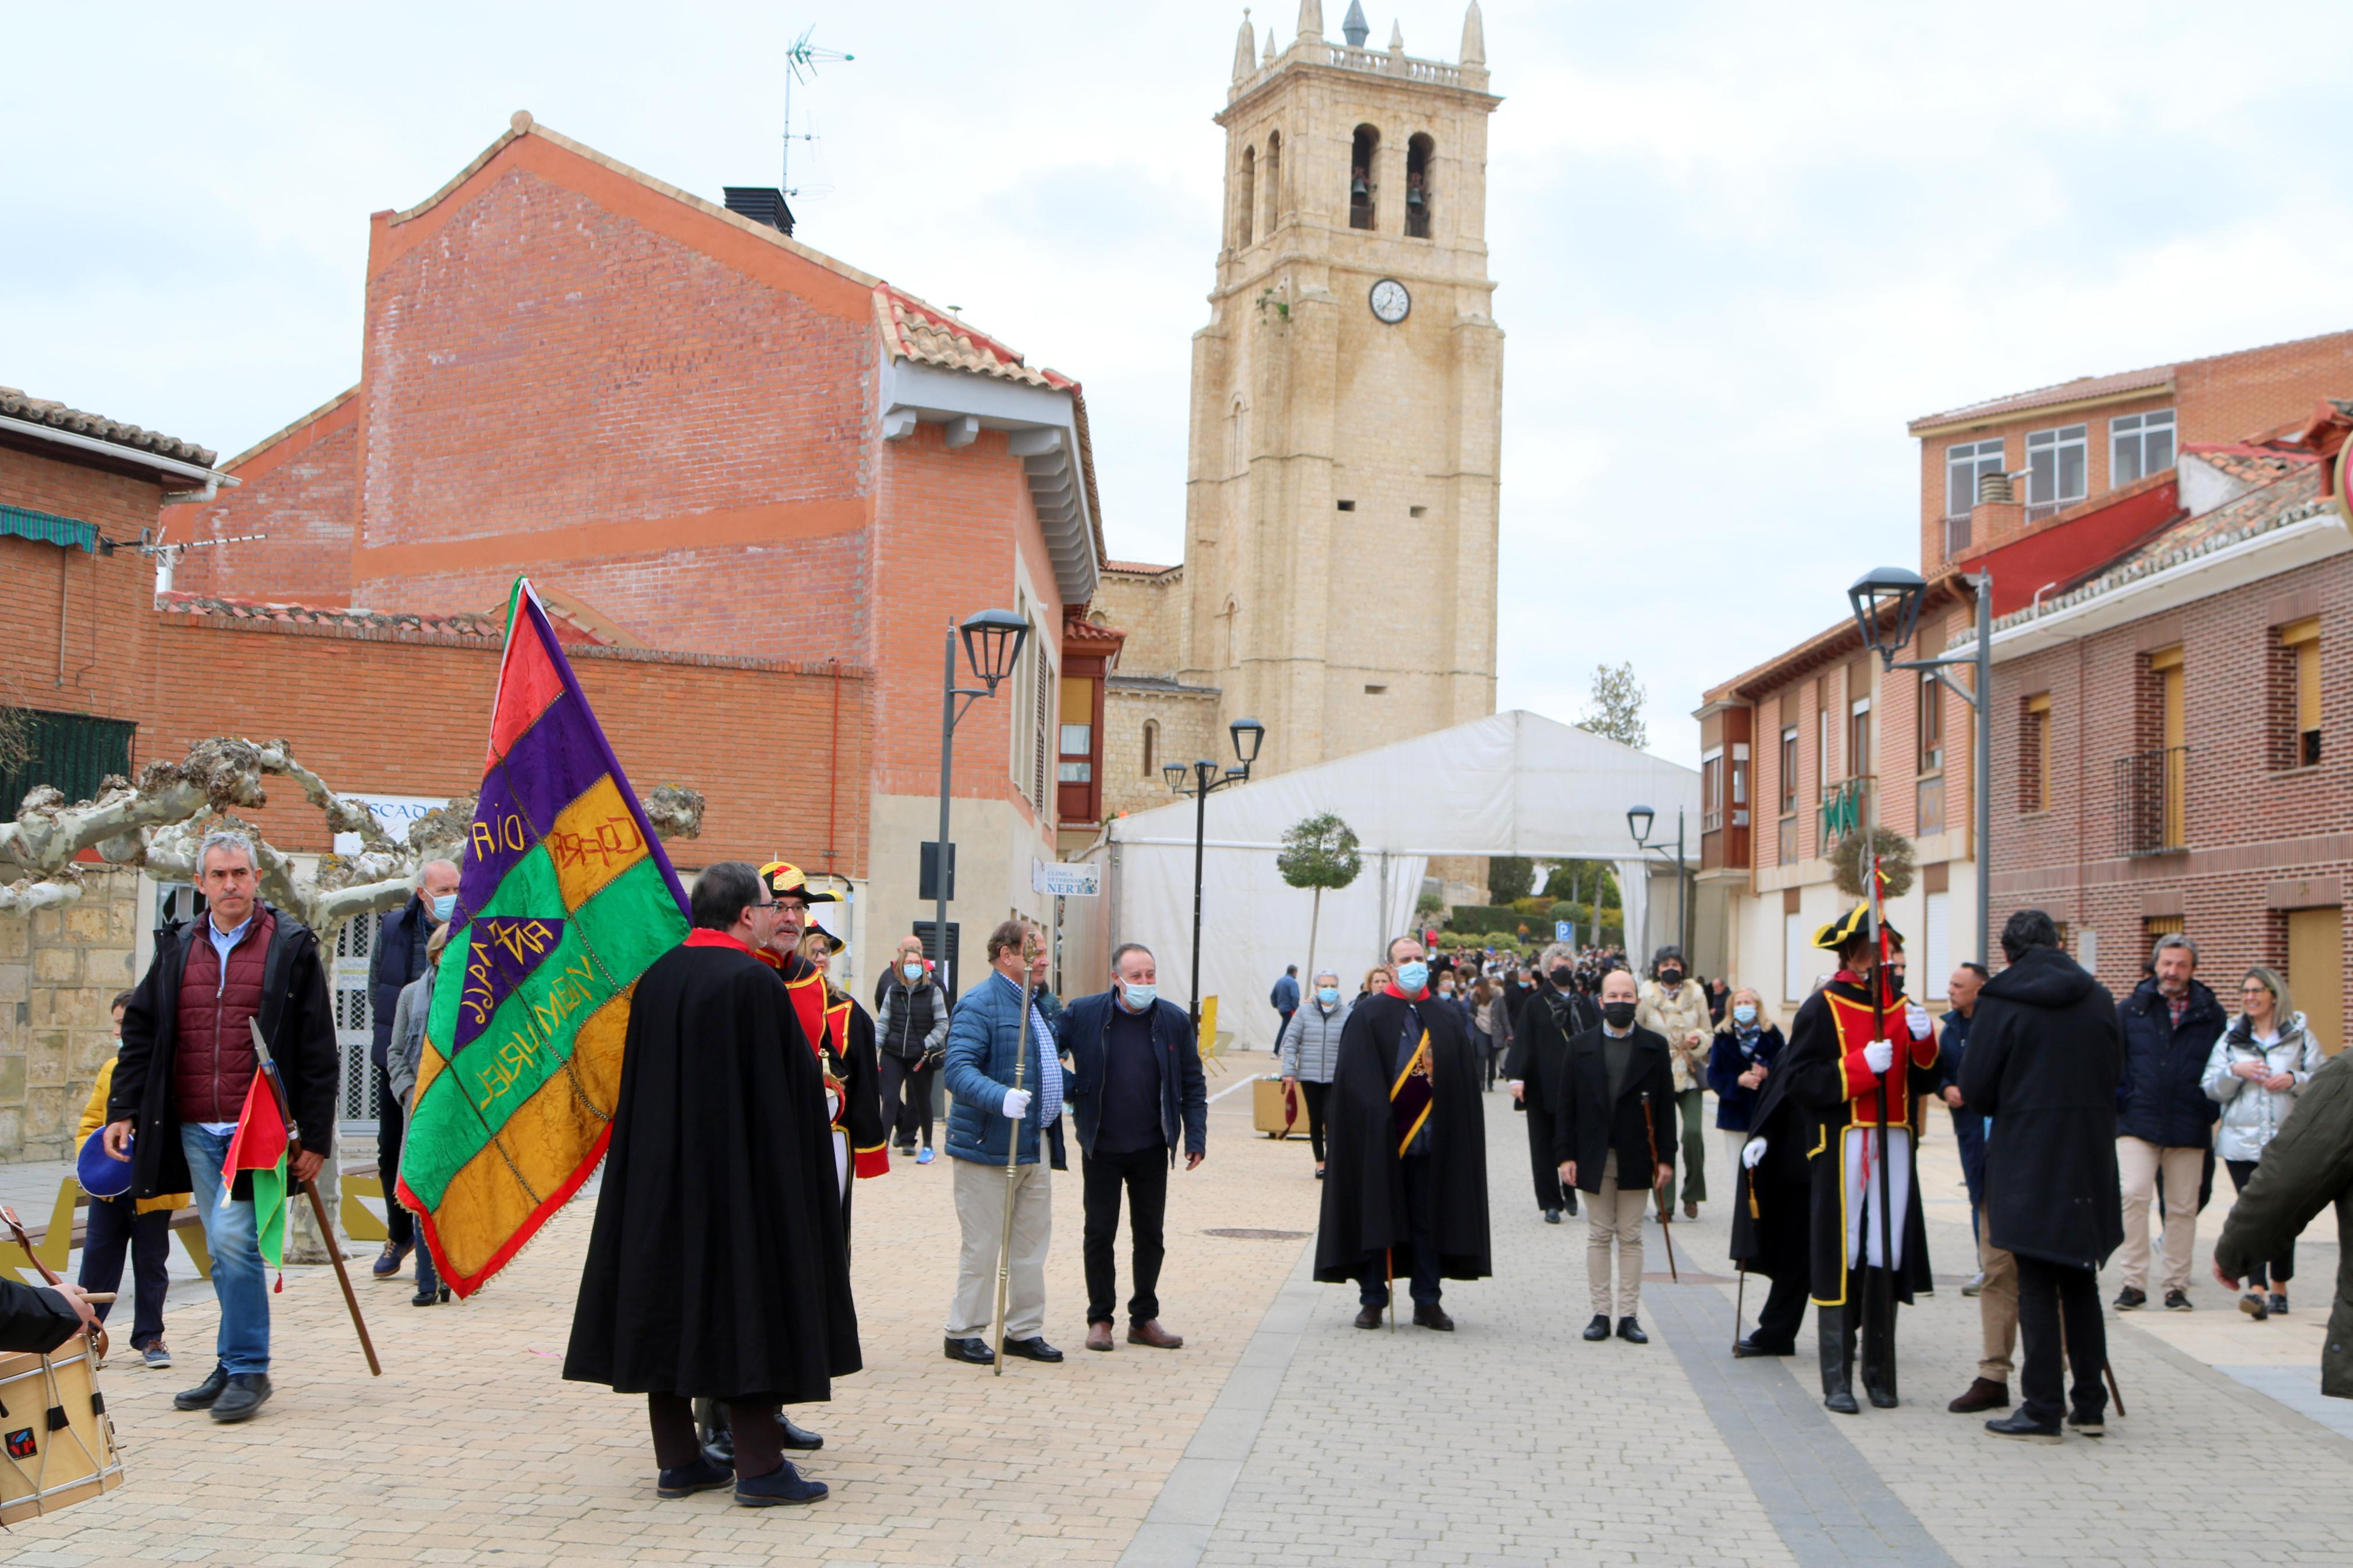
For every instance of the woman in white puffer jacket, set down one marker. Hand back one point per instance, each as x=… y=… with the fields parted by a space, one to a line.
x=2256 y=1069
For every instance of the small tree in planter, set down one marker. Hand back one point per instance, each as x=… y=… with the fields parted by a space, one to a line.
x=1318 y=852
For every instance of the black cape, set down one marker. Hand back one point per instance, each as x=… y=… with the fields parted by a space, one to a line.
x=718 y=1265
x=1808 y=1073
x=1773 y=1204
x=1363 y=1183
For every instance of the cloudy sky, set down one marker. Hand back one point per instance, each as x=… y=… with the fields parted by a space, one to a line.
x=1737 y=246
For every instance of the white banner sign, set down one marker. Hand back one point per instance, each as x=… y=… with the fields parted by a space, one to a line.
x=1065 y=881
x=394 y=813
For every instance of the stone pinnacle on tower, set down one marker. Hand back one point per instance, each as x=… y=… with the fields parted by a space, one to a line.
x=1269 y=45
x=1242 y=61
x=1353 y=26
x=1311 y=19
x=1474 y=37
x=1397 y=37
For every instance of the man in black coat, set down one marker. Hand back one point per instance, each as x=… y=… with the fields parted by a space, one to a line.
x=718 y=1265
x=1553 y=1013
x=2165 y=1119
x=1405 y=1148
x=398 y=958
x=2044 y=1056
x=1613 y=1116
x=1772 y=1214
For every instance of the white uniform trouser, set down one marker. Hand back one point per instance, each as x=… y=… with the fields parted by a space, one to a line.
x=841 y=1161
x=1862 y=1196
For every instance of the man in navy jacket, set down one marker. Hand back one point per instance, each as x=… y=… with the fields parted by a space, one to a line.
x=1135 y=1082
x=2165 y=1122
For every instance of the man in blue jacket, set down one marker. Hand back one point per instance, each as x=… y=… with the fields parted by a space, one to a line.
x=985 y=1036
x=2165 y=1122
x=1135 y=1077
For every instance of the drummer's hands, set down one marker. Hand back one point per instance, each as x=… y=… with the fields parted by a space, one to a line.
x=82 y=1310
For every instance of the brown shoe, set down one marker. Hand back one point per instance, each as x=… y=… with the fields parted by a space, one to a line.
x=1984 y=1393
x=1691 y=1208
x=1098 y=1336
x=1368 y=1317
x=1150 y=1332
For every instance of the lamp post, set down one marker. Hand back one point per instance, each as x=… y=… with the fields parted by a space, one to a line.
x=992 y=645
x=1200 y=781
x=1638 y=820
x=1892 y=594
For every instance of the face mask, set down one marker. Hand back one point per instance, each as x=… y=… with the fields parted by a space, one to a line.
x=1412 y=976
x=914 y=972
x=1563 y=978
x=1671 y=978
x=1139 y=997
x=1329 y=995
x=1446 y=988
x=1744 y=1014
x=1618 y=1014
x=444 y=907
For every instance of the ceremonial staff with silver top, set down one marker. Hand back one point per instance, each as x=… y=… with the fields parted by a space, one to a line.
x=1029 y=950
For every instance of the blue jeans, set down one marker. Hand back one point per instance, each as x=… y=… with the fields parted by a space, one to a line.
x=238 y=1282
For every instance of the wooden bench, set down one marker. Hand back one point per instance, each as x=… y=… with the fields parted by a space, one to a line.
x=68 y=1227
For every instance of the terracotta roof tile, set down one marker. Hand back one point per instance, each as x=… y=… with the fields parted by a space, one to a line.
x=2243 y=460
x=1137 y=568
x=474 y=627
x=33 y=410
x=913 y=330
x=2155 y=378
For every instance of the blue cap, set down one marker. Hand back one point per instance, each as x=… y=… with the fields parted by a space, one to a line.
x=102 y=1175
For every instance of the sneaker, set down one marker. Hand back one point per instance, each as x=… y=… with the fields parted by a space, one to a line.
x=1976 y=1284
x=394 y=1254
x=2177 y=1302
x=2088 y=1424
x=155 y=1355
x=925 y=1158
x=2131 y=1298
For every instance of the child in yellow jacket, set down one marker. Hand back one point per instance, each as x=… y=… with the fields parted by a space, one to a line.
x=141 y=1226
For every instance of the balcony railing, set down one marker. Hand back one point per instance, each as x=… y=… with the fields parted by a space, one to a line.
x=1956 y=533
x=2152 y=789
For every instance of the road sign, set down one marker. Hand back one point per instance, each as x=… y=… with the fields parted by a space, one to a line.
x=1562 y=931
x=1064 y=881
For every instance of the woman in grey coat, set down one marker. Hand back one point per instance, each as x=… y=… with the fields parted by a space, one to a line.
x=402 y=1054
x=1311 y=1049
x=2256 y=1071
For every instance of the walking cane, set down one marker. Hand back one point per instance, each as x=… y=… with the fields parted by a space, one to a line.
x=318 y=1205
x=1666 y=1218
x=1030 y=947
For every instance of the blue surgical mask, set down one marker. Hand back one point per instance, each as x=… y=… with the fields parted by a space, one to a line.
x=1139 y=997
x=1329 y=995
x=1744 y=1014
x=914 y=972
x=1412 y=976
x=444 y=907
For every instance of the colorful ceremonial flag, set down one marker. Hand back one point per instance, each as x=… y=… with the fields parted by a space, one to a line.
x=564 y=898
x=259 y=1145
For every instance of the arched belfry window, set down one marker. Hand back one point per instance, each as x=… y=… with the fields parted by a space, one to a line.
x=1420 y=155
x=1274 y=180
x=1363 y=193
x=1248 y=203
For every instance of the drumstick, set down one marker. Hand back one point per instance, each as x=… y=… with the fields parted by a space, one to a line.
x=99 y=1298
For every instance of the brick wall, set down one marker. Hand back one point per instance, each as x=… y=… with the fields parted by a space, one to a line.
x=2253 y=829
x=300 y=492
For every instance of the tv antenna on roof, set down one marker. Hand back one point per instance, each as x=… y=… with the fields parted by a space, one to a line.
x=801 y=62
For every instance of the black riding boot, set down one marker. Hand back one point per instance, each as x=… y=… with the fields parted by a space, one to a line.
x=1878 y=1339
x=1835 y=1326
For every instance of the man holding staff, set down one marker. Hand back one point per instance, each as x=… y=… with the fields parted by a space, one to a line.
x=993 y=1030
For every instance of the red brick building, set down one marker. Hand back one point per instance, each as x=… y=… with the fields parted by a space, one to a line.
x=2110 y=479
x=714 y=440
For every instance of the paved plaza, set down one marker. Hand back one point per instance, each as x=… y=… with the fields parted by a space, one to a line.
x=1280 y=1433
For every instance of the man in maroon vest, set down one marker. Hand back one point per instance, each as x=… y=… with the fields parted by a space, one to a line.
x=180 y=1083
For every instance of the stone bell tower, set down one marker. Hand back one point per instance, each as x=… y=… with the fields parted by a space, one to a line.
x=1341 y=495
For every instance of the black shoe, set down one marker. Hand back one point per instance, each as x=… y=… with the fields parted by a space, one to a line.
x=703 y=1476
x=1368 y=1316
x=783 y=1485
x=1742 y=1348
x=2018 y=1424
x=1034 y=1348
x=388 y=1261
x=426 y=1295
x=1552 y=1216
x=1599 y=1328
x=2131 y=1298
x=2089 y=1423
x=201 y=1397
x=799 y=1437
x=1631 y=1331
x=1568 y=1203
x=975 y=1350
x=2278 y=1304
x=246 y=1393
x=2177 y=1302
x=1430 y=1315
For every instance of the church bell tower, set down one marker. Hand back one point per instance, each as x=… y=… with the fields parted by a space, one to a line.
x=1341 y=494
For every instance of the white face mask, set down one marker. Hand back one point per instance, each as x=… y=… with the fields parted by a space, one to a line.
x=912 y=971
x=1139 y=997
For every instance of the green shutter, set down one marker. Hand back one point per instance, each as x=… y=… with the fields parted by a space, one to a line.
x=72 y=751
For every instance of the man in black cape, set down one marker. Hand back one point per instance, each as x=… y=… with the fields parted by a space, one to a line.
x=1553 y=1015
x=1836 y=1072
x=717 y=1266
x=1405 y=1148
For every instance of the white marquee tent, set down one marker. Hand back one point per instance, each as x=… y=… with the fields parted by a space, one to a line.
x=1514 y=784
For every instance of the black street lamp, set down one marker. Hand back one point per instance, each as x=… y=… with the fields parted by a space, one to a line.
x=1638 y=821
x=993 y=640
x=1199 y=782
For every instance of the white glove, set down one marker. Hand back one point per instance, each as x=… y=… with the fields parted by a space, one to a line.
x=1917 y=1016
x=1751 y=1153
x=1016 y=1103
x=1879 y=1055
x=1517 y=1086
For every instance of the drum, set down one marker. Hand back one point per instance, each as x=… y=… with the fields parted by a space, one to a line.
x=56 y=1442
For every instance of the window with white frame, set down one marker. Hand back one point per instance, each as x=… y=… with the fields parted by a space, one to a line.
x=2139 y=444
x=2056 y=468
x=1937 y=916
x=1965 y=465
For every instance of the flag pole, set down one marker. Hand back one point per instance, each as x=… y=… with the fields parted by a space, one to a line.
x=318 y=1205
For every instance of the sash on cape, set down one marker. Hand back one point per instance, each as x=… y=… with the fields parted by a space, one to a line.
x=1410 y=1095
